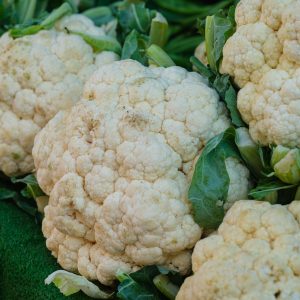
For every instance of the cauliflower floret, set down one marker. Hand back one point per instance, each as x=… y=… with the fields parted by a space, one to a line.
x=254 y=255
x=267 y=33
x=263 y=56
x=272 y=108
x=200 y=53
x=39 y=75
x=239 y=178
x=114 y=169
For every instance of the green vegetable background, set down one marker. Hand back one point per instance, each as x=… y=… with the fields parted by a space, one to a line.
x=25 y=262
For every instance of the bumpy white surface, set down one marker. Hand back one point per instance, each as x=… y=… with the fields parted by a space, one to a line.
x=263 y=56
x=114 y=169
x=239 y=177
x=39 y=75
x=254 y=255
x=200 y=53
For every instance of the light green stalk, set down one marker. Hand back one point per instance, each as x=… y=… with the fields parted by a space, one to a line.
x=159 y=57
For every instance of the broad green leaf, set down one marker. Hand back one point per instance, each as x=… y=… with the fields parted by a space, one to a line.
x=209 y=188
x=135 y=47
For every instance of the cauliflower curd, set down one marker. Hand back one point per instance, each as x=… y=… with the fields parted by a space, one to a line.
x=263 y=56
x=39 y=75
x=254 y=255
x=116 y=168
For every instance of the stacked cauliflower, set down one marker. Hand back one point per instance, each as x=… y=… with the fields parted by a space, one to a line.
x=39 y=75
x=263 y=56
x=255 y=255
x=117 y=165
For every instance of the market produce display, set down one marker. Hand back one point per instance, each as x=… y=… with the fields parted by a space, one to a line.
x=149 y=149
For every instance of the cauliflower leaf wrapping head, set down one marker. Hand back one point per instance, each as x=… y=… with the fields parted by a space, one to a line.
x=39 y=75
x=116 y=169
x=263 y=56
x=254 y=255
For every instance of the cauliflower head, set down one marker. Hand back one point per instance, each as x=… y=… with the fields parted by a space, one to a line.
x=254 y=255
x=263 y=56
x=267 y=37
x=114 y=169
x=200 y=53
x=39 y=75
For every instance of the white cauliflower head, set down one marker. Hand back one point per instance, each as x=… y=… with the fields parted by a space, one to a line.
x=267 y=37
x=272 y=108
x=39 y=75
x=263 y=56
x=254 y=255
x=113 y=168
x=200 y=53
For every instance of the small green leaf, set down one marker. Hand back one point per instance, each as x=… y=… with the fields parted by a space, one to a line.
x=249 y=151
x=135 y=47
x=32 y=189
x=134 y=16
x=6 y=194
x=99 y=43
x=165 y=286
x=202 y=69
x=231 y=103
x=217 y=30
x=142 y=284
x=268 y=186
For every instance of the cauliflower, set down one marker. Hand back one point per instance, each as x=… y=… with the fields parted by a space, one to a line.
x=266 y=38
x=239 y=177
x=254 y=255
x=116 y=169
x=39 y=75
x=263 y=56
x=200 y=53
